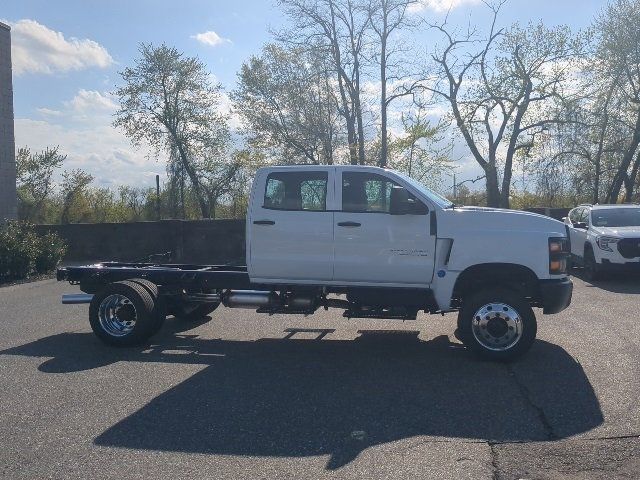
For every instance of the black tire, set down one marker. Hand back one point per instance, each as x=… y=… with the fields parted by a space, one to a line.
x=592 y=271
x=187 y=314
x=119 y=304
x=499 y=326
x=160 y=307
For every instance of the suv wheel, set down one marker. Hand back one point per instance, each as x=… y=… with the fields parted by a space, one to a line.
x=591 y=267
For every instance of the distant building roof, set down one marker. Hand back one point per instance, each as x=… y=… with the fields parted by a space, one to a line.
x=4 y=25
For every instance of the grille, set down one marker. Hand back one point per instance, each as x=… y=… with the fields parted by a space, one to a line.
x=629 y=247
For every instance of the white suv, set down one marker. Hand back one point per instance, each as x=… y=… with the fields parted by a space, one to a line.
x=605 y=238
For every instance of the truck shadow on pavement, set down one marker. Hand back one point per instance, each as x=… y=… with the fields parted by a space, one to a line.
x=294 y=398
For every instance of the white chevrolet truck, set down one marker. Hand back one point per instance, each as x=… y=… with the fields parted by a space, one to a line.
x=369 y=241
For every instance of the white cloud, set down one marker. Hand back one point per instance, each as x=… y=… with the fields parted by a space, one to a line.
x=100 y=150
x=441 y=6
x=210 y=38
x=83 y=130
x=38 y=49
x=91 y=101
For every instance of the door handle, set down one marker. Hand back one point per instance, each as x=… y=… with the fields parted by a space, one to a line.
x=264 y=222
x=348 y=224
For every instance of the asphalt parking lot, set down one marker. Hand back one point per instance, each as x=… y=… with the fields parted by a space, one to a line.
x=243 y=396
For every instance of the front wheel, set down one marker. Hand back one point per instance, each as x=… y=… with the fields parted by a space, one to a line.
x=591 y=267
x=497 y=324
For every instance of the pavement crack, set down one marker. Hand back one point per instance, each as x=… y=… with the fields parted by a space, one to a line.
x=526 y=394
x=494 y=461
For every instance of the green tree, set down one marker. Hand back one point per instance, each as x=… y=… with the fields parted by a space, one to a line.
x=75 y=206
x=420 y=152
x=170 y=102
x=35 y=180
x=286 y=100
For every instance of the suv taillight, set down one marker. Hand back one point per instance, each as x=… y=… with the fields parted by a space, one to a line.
x=558 y=254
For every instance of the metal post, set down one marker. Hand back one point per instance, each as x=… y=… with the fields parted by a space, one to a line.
x=157 y=197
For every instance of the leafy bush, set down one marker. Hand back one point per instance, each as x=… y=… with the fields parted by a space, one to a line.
x=24 y=252
x=51 y=249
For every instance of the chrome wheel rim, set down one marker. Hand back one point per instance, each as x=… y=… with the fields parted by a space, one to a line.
x=117 y=315
x=497 y=326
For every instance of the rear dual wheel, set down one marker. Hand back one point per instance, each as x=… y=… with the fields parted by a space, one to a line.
x=126 y=313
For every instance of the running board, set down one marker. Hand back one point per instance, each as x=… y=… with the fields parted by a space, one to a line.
x=378 y=314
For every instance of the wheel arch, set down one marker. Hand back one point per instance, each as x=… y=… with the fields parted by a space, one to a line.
x=509 y=275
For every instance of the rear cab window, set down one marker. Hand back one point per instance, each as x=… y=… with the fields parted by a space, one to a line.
x=296 y=191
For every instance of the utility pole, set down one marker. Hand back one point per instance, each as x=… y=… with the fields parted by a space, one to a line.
x=455 y=187
x=157 y=197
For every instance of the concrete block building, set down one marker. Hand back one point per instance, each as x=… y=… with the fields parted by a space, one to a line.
x=8 y=200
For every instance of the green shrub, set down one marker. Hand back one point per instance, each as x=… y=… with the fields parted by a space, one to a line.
x=51 y=249
x=24 y=252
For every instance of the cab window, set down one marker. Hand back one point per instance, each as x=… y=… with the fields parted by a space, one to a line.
x=584 y=216
x=368 y=193
x=576 y=214
x=305 y=191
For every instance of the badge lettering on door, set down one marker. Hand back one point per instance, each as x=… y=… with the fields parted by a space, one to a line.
x=409 y=252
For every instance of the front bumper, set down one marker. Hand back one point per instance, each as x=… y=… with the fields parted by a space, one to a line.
x=555 y=295
x=614 y=267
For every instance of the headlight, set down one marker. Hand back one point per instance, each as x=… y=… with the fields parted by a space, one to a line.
x=605 y=243
x=558 y=253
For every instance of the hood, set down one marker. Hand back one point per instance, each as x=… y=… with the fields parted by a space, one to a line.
x=484 y=218
x=622 y=232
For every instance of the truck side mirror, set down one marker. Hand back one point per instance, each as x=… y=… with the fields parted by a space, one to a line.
x=580 y=225
x=399 y=201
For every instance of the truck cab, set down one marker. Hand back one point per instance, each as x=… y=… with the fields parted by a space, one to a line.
x=359 y=226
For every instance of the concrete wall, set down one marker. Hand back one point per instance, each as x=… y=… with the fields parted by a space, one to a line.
x=198 y=241
x=8 y=201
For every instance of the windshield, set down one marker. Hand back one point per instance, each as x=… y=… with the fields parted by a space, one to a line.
x=616 y=217
x=439 y=200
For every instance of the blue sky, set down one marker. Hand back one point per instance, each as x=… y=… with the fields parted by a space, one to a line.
x=67 y=55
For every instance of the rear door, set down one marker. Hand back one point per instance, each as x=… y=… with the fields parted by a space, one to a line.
x=290 y=228
x=371 y=245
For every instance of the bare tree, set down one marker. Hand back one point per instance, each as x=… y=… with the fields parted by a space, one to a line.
x=618 y=54
x=338 y=27
x=504 y=90
x=387 y=18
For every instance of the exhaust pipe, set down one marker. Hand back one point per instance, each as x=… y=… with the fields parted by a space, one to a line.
x=76 y=298
x=249 y=299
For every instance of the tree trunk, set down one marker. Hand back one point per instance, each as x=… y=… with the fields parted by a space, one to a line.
x=630 y=185
x=493 y=191
x=383 y=101
x=621 y=174
x=355 y=93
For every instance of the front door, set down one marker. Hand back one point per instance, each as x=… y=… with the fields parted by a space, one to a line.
x=578 y=236
x=372 y=246
x=291 y=231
